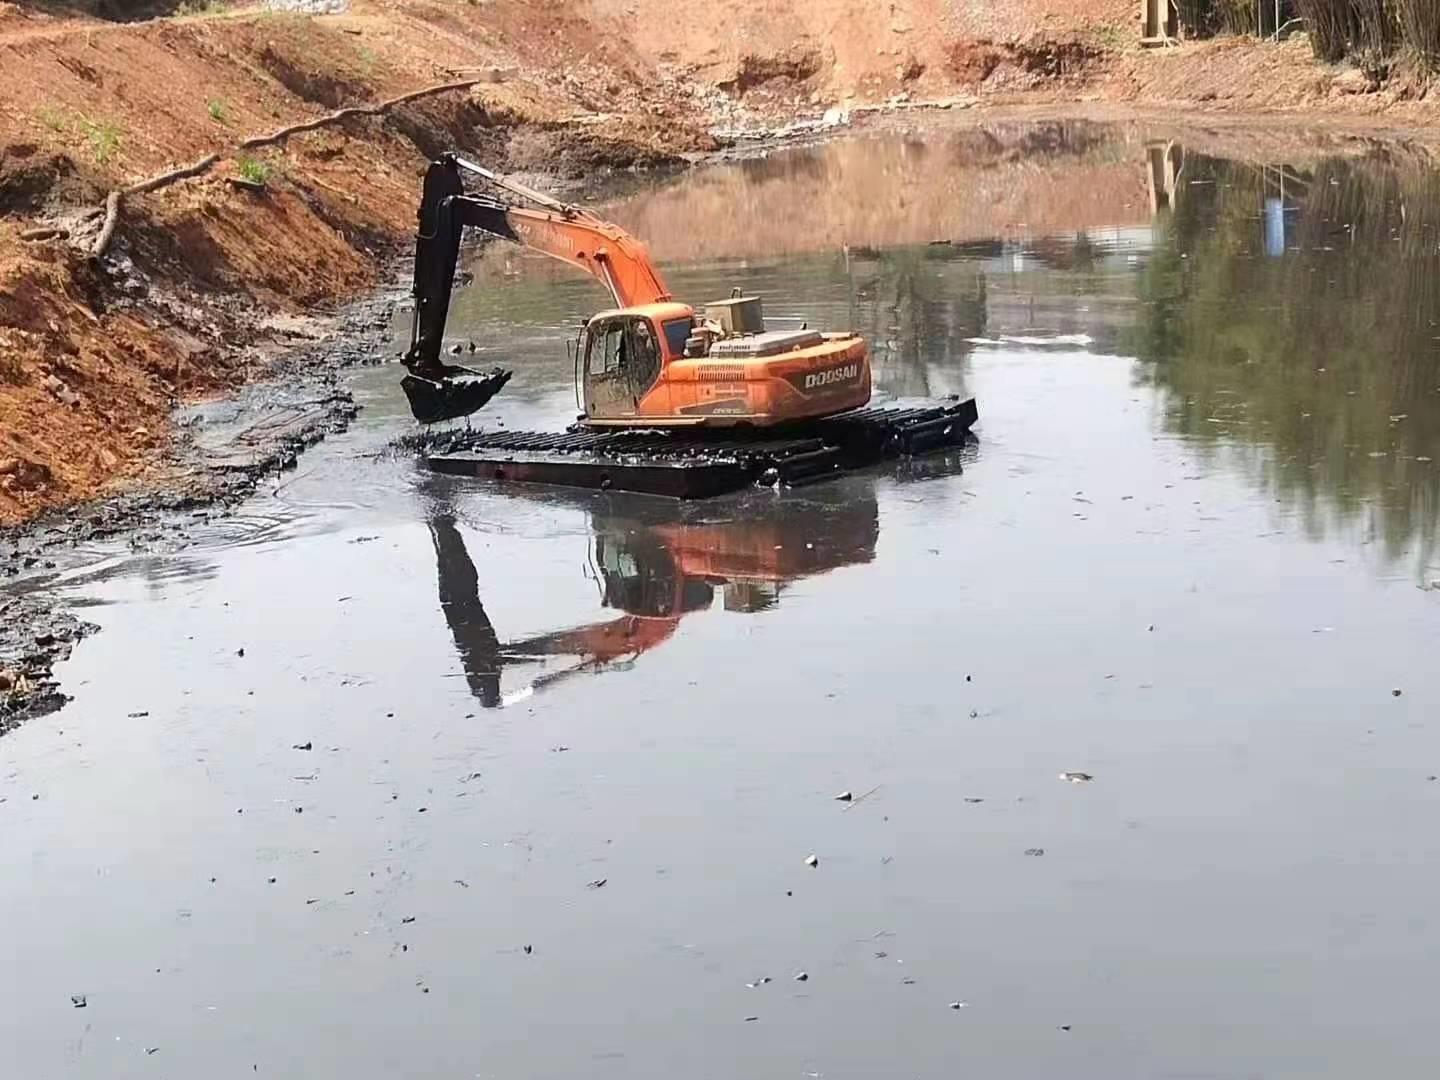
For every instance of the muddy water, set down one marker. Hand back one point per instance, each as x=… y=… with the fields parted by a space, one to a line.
x=1192 y=556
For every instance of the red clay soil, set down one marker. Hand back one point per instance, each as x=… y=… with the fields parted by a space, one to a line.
x=94 y=354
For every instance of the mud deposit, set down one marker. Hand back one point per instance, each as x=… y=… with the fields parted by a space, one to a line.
x=384 y=774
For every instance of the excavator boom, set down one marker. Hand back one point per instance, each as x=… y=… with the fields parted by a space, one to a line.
x=569 y=234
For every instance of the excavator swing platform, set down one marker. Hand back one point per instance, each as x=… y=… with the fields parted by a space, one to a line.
x=675 y=401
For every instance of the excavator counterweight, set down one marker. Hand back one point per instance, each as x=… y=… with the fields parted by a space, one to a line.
x=648 y=362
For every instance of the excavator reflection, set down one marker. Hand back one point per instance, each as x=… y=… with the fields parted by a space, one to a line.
x=656 y=564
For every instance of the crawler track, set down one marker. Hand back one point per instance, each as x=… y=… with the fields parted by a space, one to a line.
x=688 y=464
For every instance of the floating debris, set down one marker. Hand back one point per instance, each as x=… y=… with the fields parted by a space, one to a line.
x=812 y=861
x=751 y=1019
x=407 y=919
x=758 y=982
x=598 y=883
x=78 y=1001
x=136 y=715
x=1395 y=692
x=151 y=1050
x=1035 y=851
x=801 y=976
x=528 y=949
x=957 y=1004
x=972 y=799
x=844 y=796
x=1077 y=777
x=303 y=746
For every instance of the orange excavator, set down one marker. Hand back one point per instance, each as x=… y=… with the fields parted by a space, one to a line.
x=650 y=361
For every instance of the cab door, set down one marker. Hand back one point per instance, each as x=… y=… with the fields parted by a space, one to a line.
x=622 y=365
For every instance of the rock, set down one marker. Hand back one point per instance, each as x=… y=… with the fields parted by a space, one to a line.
x=812 y=861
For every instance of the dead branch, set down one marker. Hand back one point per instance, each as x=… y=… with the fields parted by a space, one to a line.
x=284 y=133
x=205 y=164
x=164 y=179
x=36 y=235
x=112 y=218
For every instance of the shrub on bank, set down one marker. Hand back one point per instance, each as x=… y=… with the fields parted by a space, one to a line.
x=1369 y=31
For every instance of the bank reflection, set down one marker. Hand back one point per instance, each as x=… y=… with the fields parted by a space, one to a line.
x=655 y=563
x=1291 y=323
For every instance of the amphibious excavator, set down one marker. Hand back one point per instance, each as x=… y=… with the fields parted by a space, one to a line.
x=651 y=361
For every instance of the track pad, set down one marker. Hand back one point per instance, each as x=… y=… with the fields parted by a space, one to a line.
x=459 y=392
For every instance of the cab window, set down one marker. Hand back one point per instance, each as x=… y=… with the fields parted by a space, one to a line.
x=677 y=332
x=607 y=349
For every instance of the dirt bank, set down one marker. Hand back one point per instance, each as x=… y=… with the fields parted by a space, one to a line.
x=203 y=281
x=204 y=278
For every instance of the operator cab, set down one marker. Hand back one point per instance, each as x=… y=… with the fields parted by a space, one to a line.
x=623 y=352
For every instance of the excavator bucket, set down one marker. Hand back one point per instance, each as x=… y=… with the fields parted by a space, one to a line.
x=457 y=392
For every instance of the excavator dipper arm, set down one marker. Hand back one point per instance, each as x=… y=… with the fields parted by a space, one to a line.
x=569 y=234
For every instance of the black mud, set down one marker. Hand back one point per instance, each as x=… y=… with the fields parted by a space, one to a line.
x=33 y=639
x=223 y=451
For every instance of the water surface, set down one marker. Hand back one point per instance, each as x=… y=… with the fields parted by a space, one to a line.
x=1192 y=555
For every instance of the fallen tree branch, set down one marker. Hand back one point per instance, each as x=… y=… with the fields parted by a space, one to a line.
x=35 y=235
x=164 y=179
x=355 y=110
x=205 y=164
x=112 y=218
